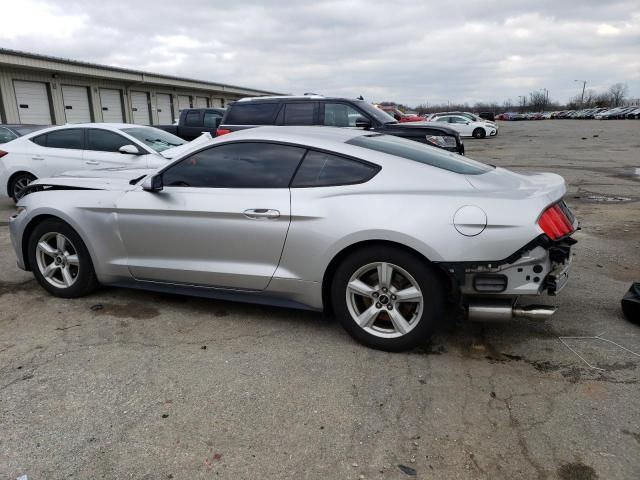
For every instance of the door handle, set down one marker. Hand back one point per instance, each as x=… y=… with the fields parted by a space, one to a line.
x=92 y=162
x=37 y=158
x=261 y=213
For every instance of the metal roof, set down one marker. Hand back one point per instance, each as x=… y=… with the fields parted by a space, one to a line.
x=142 y=77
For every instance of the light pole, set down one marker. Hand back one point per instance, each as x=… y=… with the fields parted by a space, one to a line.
x=584 y=84
x=521 y=97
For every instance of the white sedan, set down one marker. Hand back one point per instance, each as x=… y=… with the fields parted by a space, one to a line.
x=55 y=150
x=468 y=128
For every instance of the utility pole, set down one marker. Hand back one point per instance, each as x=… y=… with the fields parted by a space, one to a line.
x=545 y=99
x=521 y=101
x=584 y=84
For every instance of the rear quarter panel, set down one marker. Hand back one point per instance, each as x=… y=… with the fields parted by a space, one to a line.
x=414 y=208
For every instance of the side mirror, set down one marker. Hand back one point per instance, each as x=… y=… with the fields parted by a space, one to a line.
x=153 y=183
x=129 y=149
x=362 y=122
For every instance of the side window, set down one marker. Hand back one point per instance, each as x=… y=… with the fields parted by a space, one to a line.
x=192 y=119
x=6 y=135
x=340 y=115
x=299 y=113
x=458 y=120
x=40 y=140
x=322 y=170
x=211 y=119
x=236 y=165
x=252 y=113
x=442 y=119
x=105 y=141
x=71 y=138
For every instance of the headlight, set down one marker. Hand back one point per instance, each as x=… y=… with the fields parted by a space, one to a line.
x=441 y=140
x=20 y=210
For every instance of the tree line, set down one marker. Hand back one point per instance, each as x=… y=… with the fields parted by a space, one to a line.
x=536 y=101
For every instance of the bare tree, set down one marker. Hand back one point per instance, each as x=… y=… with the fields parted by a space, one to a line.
x=618 y=92
x=537 y=101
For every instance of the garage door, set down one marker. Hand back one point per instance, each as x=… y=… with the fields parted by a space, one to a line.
x=165 y=114
x=33 y=102
x=202 y=102
x=76 y=104
x=184 y=101
x=140 y=107
x=111 y=105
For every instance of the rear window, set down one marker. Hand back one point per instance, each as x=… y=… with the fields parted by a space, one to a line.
x=252 y=114
x=419 y=152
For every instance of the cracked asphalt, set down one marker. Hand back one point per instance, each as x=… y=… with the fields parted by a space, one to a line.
x=126 y=384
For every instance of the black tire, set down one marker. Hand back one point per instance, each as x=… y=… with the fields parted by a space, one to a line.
x=17 y=184
x=479 y=133
x=423 y=273
x=84 y=280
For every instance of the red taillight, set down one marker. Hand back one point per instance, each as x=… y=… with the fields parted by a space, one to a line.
x=222 y=131
x=2 y=153
x=555 y=223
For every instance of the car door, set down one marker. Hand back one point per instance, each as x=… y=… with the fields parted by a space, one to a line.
x=220 y=220
x=58 y=151
x=461 y=124
x=103 y=150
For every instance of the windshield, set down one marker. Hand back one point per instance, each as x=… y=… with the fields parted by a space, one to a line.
x=376 y=113
x=419 y=152
x=156 y=139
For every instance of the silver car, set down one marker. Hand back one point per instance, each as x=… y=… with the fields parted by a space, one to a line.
x=382 y=231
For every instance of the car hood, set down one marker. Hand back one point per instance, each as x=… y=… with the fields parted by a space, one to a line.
x=508 y=184
x=425 y=126
x=175 y=152
x=100 y=179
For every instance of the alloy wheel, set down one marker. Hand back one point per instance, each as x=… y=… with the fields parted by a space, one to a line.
x=57 y=260
x=384 y=300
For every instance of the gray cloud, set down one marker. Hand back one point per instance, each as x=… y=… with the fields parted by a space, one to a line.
x=407 y=51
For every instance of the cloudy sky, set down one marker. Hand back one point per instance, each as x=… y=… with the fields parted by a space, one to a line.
x=408 y=51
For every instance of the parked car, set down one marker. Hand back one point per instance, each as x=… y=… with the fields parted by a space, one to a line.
x=634 y=114
x=193 y=122
x=333 y=112
x=487 y=116
x=9 y=132
x=400 y=116
x=468 y=128
x=54 y=150
x=471 y=116
x=405 y=228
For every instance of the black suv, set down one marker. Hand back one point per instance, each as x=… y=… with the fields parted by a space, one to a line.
x=332 y=112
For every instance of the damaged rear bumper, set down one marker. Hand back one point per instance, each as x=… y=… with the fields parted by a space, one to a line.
x=543 y=266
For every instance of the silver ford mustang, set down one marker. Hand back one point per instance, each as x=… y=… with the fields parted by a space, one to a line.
x=385 y=232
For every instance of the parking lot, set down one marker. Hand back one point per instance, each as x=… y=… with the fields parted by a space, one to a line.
x=129 y=384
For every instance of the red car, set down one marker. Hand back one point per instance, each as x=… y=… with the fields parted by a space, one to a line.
x=399 y=116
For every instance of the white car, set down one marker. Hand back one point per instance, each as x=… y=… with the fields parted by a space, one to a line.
x=55 y=150
x=467 y=127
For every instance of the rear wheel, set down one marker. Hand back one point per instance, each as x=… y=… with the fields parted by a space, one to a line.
x=60 y=261
x=479 y=133
x=386 y=298
x=18 y=183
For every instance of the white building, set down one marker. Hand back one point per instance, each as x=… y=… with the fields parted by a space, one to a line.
x=47 y=90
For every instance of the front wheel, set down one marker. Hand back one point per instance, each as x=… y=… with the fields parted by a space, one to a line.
x=60 y=260
x=479 y=133
x=387 y=299
x=18 y=184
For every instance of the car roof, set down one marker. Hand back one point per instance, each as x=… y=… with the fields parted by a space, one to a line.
x=298 y=134
x=280 y=98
